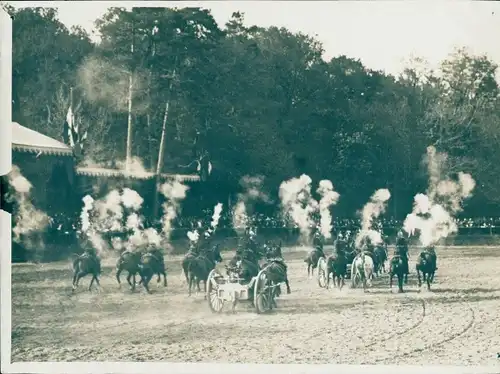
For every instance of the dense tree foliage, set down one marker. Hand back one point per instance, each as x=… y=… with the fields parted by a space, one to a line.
x=263 y=100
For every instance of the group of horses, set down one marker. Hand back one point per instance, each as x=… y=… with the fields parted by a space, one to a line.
x=145 y=264
x=196 y=265
x=369 y=263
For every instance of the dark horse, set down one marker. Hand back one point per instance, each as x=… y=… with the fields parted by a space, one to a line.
x=188 y=258
x=312 y=260
x=426 y=264
x=201 y=266
x=276 y=272
x=128 y=261
x=87 y=263
x=380 y=257
x=336 y=264
x=152 y=263
x=397 y=268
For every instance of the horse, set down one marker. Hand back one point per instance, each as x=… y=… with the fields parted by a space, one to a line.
x=86 y=264
x=336 y=265
x=312 y=260
x=380 y=255
x=397 y=267
x=273 y=250
x=276 y=273
x=202 y=265
x=128 y=261
x=426 y=264
x=188 y=258
x=362 y=267
x=152 y=263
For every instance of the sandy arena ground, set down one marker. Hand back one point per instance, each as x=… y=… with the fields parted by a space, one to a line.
x=458 y=323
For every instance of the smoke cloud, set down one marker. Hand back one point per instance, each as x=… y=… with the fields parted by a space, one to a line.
x=215 y=219
x=296 y=201
x=252 y=187
x=370 y=212
x=107 y=84
x=433 y=213
x=174 y=192
x=29 y=221
x=328 y=198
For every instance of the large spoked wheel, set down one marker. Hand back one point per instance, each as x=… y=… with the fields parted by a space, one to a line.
x=263 y=294
x=322 y=272
x=214 y=301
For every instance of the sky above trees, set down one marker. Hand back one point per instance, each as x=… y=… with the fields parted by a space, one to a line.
x=383 y=35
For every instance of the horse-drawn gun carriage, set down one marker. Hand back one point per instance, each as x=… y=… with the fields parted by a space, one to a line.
x=260 y=291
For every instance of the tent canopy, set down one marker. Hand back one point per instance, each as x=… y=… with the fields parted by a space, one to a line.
x=27 y=140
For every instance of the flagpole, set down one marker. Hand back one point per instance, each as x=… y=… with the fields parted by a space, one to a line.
x=71 y=106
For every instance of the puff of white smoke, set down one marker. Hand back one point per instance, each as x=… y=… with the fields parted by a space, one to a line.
x=193 y=236
x=240 y=215
x=328 y=198
x=117 y=244
x=131 y=199
x=28 y=219
x=295 y=196
x=444 y=199
x=98 y=242
x=174 y=192
x=152 y=236
x=374 y=208
x=88 y=205
x=216 y=216
x=371 y=211
x=110 y=212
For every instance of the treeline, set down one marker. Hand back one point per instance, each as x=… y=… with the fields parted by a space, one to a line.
x=263 y=101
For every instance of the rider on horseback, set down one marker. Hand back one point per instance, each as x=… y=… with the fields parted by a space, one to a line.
x=318 y=242
x=402 y=250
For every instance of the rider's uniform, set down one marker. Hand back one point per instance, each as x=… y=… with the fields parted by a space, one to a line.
x=318 y=244
x=402 y=250
x=432 y=251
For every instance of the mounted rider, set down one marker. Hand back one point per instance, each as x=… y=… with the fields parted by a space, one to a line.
x=401 y=249
x=341 y=243
x=318 y=240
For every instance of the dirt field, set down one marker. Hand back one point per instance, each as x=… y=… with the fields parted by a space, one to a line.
x=458 y=323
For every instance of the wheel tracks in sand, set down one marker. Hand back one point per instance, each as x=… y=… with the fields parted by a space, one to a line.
x=437 y=328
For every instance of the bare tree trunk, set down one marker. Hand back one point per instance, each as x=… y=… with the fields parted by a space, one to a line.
x=161 y=154
x=129 y=128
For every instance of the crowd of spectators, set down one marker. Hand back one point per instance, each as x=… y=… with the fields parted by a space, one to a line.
x=66 y=224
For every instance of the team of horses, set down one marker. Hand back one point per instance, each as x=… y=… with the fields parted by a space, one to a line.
x=367 y=264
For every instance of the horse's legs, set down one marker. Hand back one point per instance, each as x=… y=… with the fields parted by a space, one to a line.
x=288 y=290
x=91 y=282
x=328 y=279
x=400 y=283
x=391 y=275
x=429 y=283
x=419 y=278
x=132 y=285
x=308 y=270
x=74 y=279
x=145 y=282
x=79 y=276
x=164 y=278
x=118 y=272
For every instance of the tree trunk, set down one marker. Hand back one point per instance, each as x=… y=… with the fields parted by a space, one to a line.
x=129 y=128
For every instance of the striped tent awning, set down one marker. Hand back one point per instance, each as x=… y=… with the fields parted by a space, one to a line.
x=27 y=140
x=102 y=172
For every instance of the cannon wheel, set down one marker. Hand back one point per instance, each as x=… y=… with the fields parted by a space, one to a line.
x=322 y=272
x=214 y=302
x=263 y=294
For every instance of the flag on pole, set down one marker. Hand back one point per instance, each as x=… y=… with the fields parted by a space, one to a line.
x=69 y=132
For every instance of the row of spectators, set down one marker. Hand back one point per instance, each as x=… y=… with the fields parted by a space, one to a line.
x=64 y=223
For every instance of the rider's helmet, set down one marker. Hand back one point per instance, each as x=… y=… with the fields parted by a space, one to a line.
x=400 y=234
x=340 y=236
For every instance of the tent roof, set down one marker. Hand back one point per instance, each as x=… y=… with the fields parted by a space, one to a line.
x=97 y=172
x=27 y=140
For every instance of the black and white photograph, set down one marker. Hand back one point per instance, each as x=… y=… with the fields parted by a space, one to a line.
x=251 y=182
